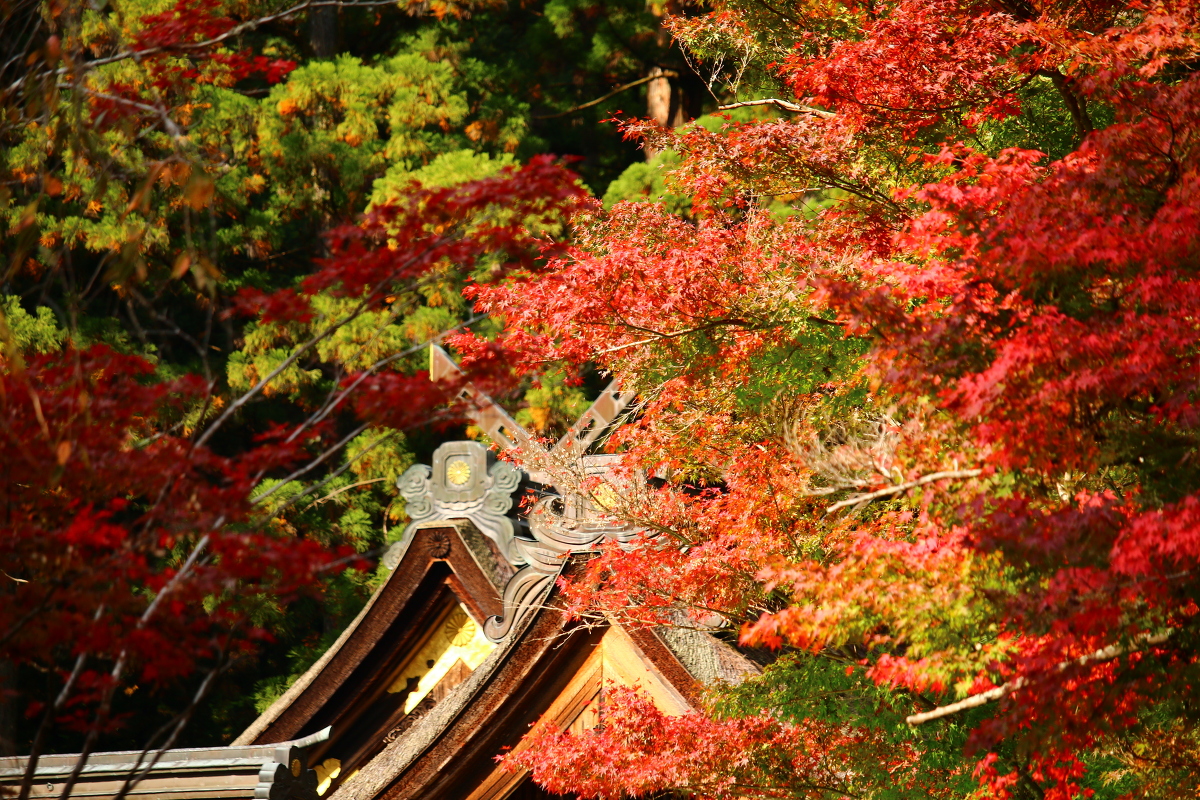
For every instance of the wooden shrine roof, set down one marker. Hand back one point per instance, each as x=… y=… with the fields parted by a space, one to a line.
x=441 y=561
x=545 y=667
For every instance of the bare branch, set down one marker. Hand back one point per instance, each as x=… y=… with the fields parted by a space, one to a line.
x=232 y=33
x=177 y=727
x=50 y=714
x=335 y=493
x=299 y=351
x=318 y=486
x=664 y=74
x=784 y=104
x=860 y=499
x=855 y=453
x=974 y=701
x=662 y=337
x=328 y=452
x=118 y=669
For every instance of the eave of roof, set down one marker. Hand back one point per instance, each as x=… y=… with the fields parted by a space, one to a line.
x=520 y=652
x=198 y=772
x=479 y=574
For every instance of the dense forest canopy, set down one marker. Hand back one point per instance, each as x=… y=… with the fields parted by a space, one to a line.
x=907 y=292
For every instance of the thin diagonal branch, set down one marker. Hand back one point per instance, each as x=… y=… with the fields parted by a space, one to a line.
x=976 y=700
x=632 y=84
x=795 y=108
x=903 y=487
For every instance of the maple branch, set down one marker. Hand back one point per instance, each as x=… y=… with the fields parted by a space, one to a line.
x=118 y=669
x=664 y=74
x=315 y=462
x=333 y=403
x=33 y=612
x=179 y=724
x=333 y=475
x=299 y=351
x=334 y=494
x=169 y=125
x=784 y=104
x=52 y=712
x=1103 y=654
x=1075 y=104
x=660 y=337
x=903 y=487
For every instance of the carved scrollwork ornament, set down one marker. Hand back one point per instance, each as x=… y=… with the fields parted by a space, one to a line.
x=554 y=537
x=466 y=482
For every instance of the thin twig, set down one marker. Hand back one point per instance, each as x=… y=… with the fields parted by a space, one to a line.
x=662 y=337
x=185 y=717
x=291 y=359
x=118 y=669
x=235 y=31
x=334 y=494
x=1103 y=654
x=613 y=93
x=333 y=475
x=903 y=487
x=51 y=713
x=330 y=405
x=784 y=104
x=328 y=452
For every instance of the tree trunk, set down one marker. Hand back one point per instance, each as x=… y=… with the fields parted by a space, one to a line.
x=665 y=101
x=8 y=708
x=323 y=31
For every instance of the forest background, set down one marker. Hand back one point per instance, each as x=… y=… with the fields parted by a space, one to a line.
x=912 y=324
x=151 y=174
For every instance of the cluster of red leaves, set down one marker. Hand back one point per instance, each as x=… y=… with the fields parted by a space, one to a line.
x=183 y=31
x=179 y=50
x=189 y=21
x=921 y=62
x=638 y=750
x=496 y=218
x=654 y=279
x=712 y=542
x=1053 y=318
x=102 y=508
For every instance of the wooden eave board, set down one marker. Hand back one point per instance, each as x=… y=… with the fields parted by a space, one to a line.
x=443 y=563
x=184 y=773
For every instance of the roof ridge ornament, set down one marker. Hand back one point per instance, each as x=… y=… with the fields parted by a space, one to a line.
x=466 y=481
x=555 y=536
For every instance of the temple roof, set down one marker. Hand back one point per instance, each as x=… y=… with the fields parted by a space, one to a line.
x=545 y=667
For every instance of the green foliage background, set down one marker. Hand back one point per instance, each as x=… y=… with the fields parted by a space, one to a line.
x=119 y=232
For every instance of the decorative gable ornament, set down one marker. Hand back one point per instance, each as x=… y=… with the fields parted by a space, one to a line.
x=466 y=481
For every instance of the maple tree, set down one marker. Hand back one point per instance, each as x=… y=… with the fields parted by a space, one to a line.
x=919 y=364
x=135 y=553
